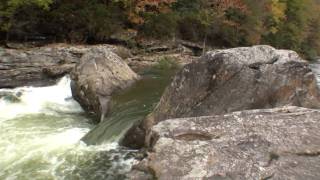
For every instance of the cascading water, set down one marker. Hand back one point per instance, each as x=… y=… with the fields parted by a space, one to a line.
x=41 y=130
x=315 y=66
x=131 y=106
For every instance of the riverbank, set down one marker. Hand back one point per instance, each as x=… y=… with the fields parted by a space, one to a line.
x=40 y=66
x=195 y=111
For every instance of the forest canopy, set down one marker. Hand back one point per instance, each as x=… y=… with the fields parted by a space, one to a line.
x=289 y=24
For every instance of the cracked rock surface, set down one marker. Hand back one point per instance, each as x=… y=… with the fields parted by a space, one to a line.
x=280 y=143
x=224 y=81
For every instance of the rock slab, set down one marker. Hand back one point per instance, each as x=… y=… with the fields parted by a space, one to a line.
x=280 y=143
x=36 y=67
x=42 y=66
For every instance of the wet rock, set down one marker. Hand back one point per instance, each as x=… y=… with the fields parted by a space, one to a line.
x=98 y=75
x=280 y=143
x=13 y=97
x=224 y=81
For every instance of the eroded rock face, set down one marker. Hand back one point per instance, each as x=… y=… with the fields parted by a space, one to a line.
x=98 y=75
x=42 y=66
x=281 y=143
x=238 y=79
x=231 y=80
x=35 y=67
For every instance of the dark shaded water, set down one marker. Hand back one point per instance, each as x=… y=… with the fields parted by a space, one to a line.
x=130 y=106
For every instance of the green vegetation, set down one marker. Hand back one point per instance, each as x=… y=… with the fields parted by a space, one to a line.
x=166 y=63
x=290 y=24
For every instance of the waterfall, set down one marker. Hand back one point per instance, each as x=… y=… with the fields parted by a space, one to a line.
x=40 y=137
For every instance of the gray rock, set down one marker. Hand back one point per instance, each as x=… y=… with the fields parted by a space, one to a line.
x=26 y=67
x=224 y=81
x=42 y=66
x=281 y=143
x=98 y=75
x=142 y=62
x=13 y=97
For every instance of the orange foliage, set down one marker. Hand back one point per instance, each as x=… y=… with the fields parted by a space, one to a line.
x=139 y=6
x=155 y=5
x=223 y=5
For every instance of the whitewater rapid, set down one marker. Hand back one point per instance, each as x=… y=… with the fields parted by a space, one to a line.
x=40 y=132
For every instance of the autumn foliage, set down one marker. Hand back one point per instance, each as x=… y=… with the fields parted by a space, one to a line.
x=291 y=24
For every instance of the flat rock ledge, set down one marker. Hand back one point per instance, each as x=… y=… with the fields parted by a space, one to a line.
x=280 y=143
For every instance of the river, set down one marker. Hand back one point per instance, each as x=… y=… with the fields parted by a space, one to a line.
x=41 y=131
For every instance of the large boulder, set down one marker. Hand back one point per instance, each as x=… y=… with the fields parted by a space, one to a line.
x=98 y=75
x=281 y=143
x=224 y=81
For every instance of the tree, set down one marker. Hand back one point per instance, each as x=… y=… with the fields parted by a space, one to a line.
x=8 y=9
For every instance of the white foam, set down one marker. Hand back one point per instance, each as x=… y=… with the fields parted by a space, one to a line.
x=40 y=135
x=57 y=98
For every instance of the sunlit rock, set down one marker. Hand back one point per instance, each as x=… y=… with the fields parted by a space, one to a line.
x=224 y=81
x=98 y=75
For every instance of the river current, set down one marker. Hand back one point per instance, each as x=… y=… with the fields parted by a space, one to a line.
x=41 y=131
x=40 y=138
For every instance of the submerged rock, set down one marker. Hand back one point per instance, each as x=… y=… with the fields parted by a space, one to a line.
x=13 y=97
x=96 y=77
x=224 y=81
x=281 y=143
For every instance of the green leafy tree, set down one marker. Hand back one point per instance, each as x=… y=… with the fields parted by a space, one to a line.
x=8 y=9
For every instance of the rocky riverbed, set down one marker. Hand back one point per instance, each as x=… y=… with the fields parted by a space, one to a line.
x=241 y=113
x=193 y=134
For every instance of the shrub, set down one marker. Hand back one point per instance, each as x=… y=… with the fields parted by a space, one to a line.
x=161 y=26
x=167 y=62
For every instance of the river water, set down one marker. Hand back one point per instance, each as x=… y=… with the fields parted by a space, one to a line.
x=41 y=131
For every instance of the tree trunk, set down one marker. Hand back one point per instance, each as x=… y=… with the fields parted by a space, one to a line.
x=204 y=43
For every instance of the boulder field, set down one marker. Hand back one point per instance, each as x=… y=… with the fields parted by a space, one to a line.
x=242 y=113
x=96 y=71
x=224 y=81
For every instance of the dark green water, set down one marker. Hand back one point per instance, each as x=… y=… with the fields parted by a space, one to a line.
x=131 y=106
